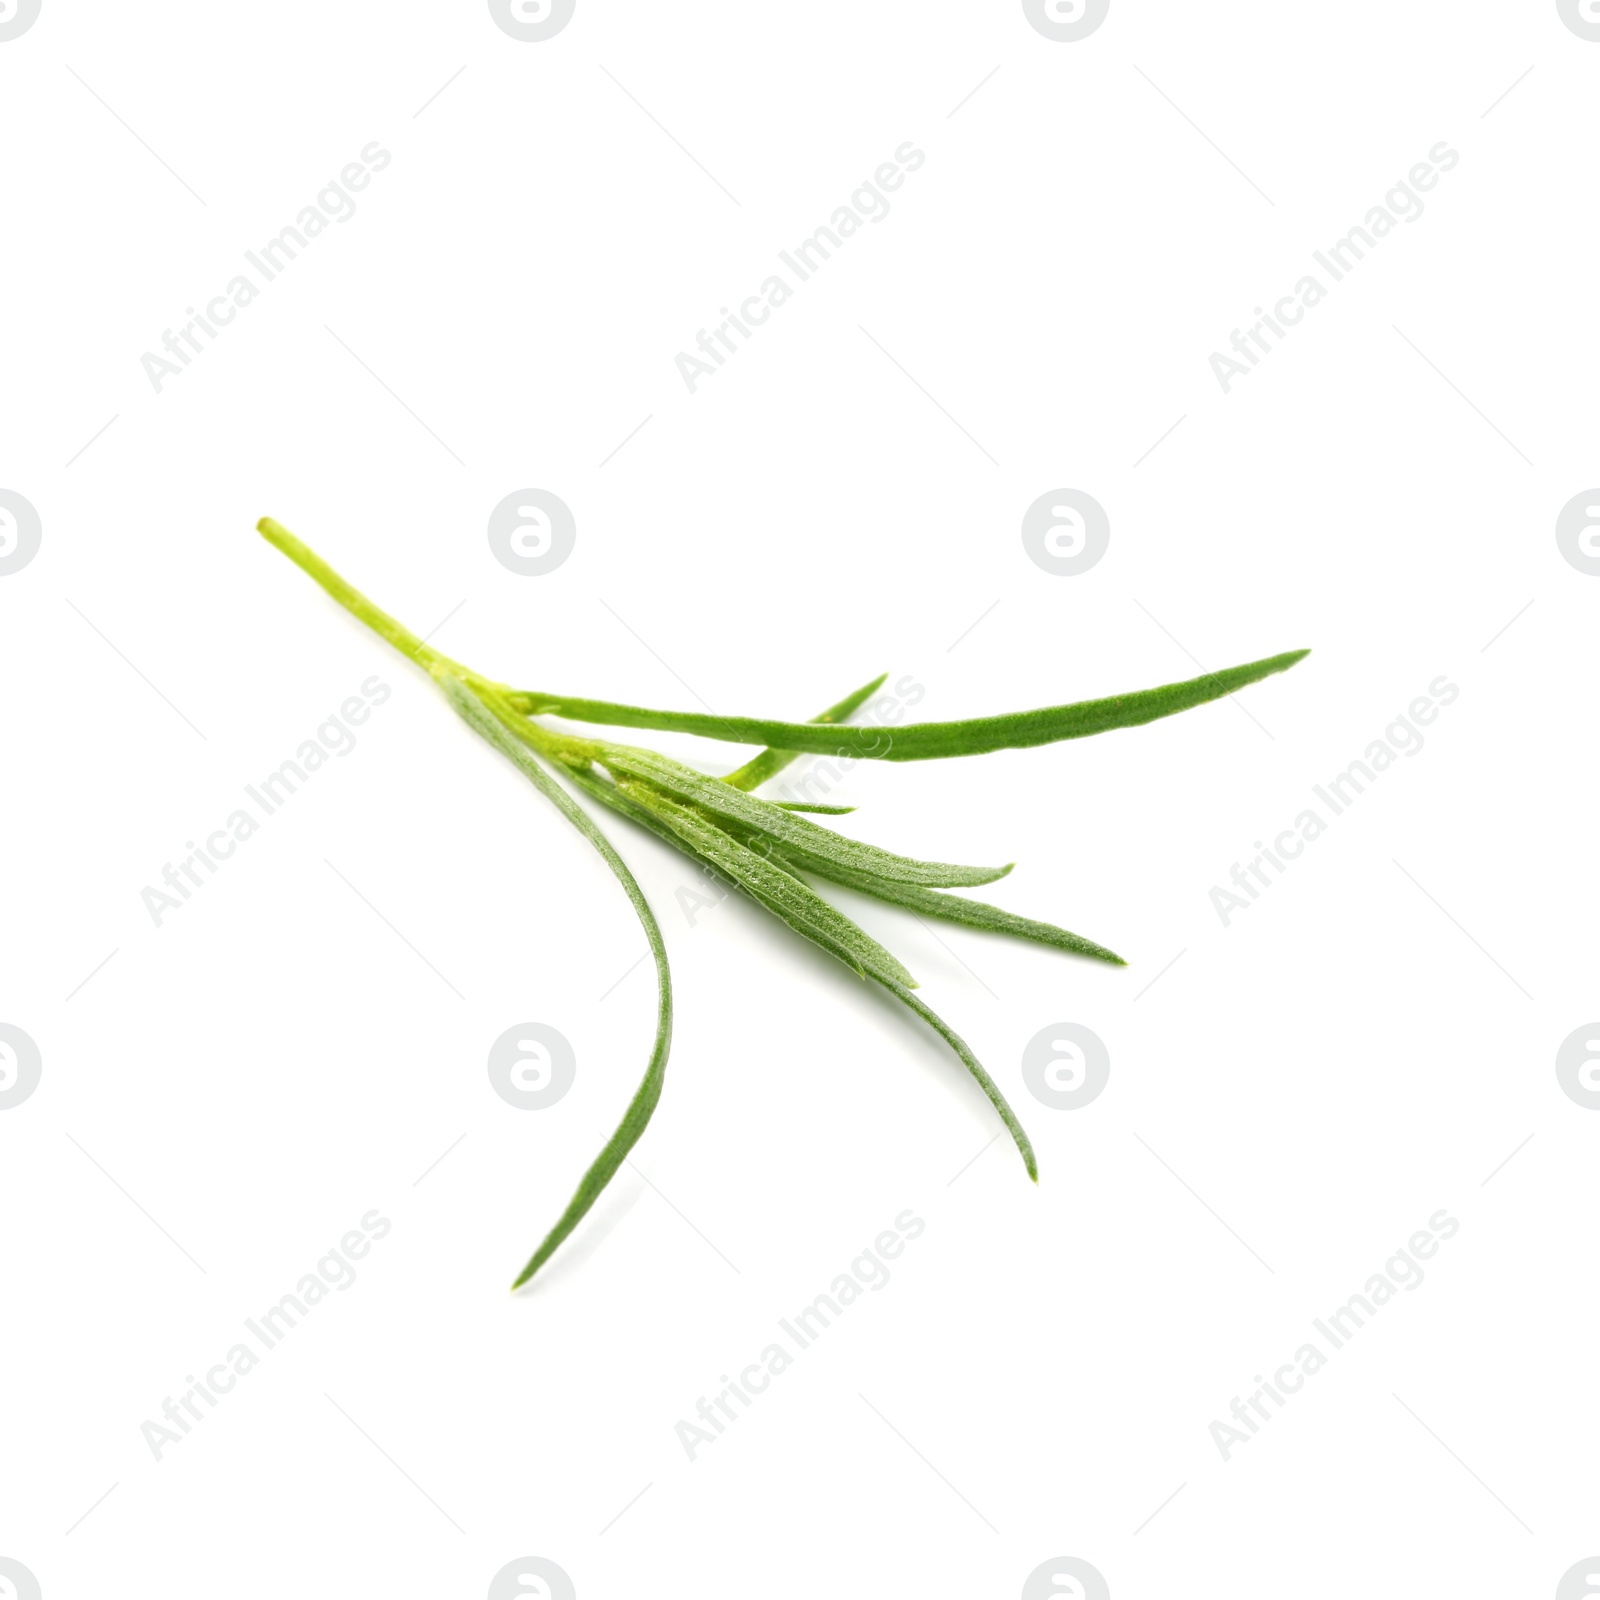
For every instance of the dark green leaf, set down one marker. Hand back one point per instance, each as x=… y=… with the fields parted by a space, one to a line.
x=924 y=741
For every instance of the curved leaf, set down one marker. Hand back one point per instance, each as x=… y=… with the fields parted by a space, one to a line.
x=926 y=741
x=485 y=721
x=1018 y=1133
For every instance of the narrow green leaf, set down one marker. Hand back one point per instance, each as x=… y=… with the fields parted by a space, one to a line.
x=975 y=1067
x=925 y=741
x=803 y=841
x=776 y=888
x=816 y=811
x=485 y=721
x=970 y=913
x=770 y=763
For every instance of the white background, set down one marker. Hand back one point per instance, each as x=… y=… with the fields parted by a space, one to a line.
x=1291 y=1097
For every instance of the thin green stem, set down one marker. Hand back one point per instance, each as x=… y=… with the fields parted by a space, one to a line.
x=350 y=597
x=358 y=605
x=563 y=747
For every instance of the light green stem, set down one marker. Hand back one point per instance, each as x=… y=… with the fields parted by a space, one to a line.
x=557 y=746
x=351 y=598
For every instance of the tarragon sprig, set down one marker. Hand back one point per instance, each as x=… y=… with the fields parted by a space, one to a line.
x=764 y=848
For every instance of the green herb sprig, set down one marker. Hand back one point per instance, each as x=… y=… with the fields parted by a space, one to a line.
x=764 y=848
